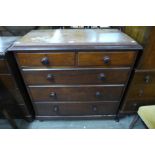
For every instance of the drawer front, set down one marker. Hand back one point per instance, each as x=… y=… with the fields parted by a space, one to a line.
x=46 y=59
x=106 y=59
x=76 y=76
x=3 y=67
x=81 y=93
x=75 y=109
x=7 y=81
x=133 y=105
x=16 y=111
x=142 y=91
x=144 y=77
x=24 y=110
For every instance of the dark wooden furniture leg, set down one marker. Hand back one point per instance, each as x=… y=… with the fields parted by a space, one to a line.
x=8 y=117
x=134 y=121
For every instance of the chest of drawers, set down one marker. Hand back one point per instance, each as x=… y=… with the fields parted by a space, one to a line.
x=141 y=90
x=75 y=73
x=15 y=104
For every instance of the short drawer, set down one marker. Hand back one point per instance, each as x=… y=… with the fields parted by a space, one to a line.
x=76 y=93
x=144 y=77
x=133 y=105
x=142 y=91
x=46 y=59
x=8 y=81
x=16 y=111
x=75 y=109
x=76 y=76
x=106 y=59
x=4 y=67
x=24 y=110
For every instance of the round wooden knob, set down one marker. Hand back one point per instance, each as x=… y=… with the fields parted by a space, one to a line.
x=50 y=77
x=94 y=108
x=106 y=59
x=98 y=94
x=52 y=94
x=45 y=61
x=147 y=79
x=101 y=76
x=55 y=108
x=135 y=104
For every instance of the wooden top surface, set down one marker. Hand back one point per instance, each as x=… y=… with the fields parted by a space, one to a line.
x=6 y=42
x=76 y=38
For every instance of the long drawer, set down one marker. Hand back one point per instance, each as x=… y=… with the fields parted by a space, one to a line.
x=45 y=59
x=76 y=93
x=75 y=109
x=144 y=77
x=106 y=59
x=133 y=105
x=76 y=76
x=4 y=69
x=8 y=81
x=16 y=111
x=142 y=91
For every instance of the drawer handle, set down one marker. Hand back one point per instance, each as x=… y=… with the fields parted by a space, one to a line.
x=101 y=76
x=135 y=104
x=55 y=108
x=53 y=94
x=94 y=108
x=98 y=94
x=50 y=77
x=147 y=79
x=45 y=61
x=106 y=59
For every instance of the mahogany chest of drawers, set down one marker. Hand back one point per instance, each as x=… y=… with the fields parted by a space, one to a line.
x=141 y=90
x=15 y=105
x=75 y=73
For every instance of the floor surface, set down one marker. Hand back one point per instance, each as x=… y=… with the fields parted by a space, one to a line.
x=74 y=124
